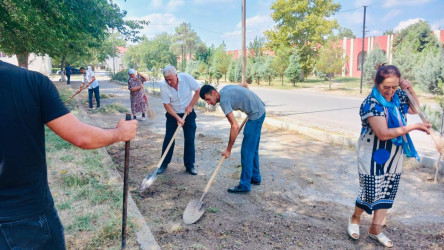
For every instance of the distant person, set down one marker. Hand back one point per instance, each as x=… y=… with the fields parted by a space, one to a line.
x=28 y=217
x=235 y=97
x=383 y=141
x=139 y=101
x=92 y=84
x=68 y=71
x=178 y=98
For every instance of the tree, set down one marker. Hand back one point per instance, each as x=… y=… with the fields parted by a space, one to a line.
x=345 y=32
x=294 y=70
x=430 y=71
x=235 y=70
x=184 y=40
x=280 y=62
x=388 y=32
x=257 y=45
x=375 y=57
x=265 y=70
x=60 y=28
x=413 y=49
x=256 y=68
x=221 y=60
x=304 y=24
x=330 y=60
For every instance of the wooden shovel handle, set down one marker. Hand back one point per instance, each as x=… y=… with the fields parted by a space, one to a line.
x=207 y=187
x=415 y=106
x=170 y=143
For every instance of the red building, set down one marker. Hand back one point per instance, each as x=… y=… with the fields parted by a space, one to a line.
x=352 y=48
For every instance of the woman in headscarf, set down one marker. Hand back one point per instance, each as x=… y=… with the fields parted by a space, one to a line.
x=383 y=141
x=139 y=101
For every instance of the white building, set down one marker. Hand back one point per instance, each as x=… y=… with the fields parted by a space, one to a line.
x=40 y=64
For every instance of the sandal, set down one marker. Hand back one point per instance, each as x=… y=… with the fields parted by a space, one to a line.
x=384 y=240
x=353 y=229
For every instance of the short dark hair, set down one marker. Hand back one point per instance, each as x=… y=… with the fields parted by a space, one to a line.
x=82 y=68
x=386 y=71
x=206 y=89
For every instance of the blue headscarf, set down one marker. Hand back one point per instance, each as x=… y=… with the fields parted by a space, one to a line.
x=393 y=121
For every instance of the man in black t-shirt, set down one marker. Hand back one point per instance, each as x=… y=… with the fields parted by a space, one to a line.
x=28 y=101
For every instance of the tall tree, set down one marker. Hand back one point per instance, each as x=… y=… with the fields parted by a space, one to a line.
x=221 y=60
x=345 y=32
x=414 y=48
x=330 y=60
x=184 y=40
x=303 y=24
x=280 y=61
x=59 y=28
x=375 y=58
x=257 y=45
x=294 y=69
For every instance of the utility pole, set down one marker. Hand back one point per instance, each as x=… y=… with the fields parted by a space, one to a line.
x=363 y=51
x=243 y=43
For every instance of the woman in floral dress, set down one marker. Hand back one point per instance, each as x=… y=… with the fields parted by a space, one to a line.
x=139 y=101
x=383 y=141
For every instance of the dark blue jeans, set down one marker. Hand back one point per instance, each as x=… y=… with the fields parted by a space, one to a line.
x=69 y=79
x=189 y=132
x=96 y=95
x=250 y=152
x=43 y=231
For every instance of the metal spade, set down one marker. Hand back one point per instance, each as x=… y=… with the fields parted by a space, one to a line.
x=149 y=179
x=196 y=208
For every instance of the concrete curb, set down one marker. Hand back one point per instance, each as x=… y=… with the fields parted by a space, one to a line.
x=144 y=236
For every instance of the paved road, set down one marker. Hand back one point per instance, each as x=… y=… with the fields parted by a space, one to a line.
x=328 y=112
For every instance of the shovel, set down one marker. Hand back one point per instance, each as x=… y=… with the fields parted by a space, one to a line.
x=149 y=179
x=196 y=208
x=69 y=99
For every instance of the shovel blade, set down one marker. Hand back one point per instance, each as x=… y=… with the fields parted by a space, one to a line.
x=146 y=183
x=193 y=212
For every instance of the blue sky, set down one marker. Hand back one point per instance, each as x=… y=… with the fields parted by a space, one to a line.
x=220 y=20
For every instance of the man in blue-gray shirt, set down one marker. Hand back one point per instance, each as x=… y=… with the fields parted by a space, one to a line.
x=234 y=97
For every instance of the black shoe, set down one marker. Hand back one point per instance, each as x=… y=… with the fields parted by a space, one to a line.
x=238 y=189
x=191 y=171
x=161 y=170
x=255 y=182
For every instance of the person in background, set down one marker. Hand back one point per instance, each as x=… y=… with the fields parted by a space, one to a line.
x=178 y=98
x=68 y=71
x=29 y=101
x=139 y=101
x=235 y=97
x=92 y=84
x=383 y=141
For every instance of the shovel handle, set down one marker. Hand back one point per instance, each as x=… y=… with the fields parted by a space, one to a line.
x=415 y=106
x=125 y=187
x=170 y=143
x=207 y=187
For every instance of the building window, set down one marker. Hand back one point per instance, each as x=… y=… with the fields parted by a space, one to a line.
x=360 y=58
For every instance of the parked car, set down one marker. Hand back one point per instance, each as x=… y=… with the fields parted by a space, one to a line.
x=74 y=71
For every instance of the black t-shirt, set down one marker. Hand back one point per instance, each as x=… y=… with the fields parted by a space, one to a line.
x=28 y=100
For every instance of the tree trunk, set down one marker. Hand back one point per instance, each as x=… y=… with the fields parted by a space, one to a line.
x=269 y=81
x=282 y=79
x=22 y=59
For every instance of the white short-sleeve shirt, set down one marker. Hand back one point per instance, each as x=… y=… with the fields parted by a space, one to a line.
x=89 y=75
x=181 y=98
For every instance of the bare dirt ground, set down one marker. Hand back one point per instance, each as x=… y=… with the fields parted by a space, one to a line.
x=306 y=196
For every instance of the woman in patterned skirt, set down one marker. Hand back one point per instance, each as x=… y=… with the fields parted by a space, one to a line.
x=139 y=101
x=384 y=138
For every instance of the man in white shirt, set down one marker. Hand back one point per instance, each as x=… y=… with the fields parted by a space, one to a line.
x=89 y=78
x=178 y=98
